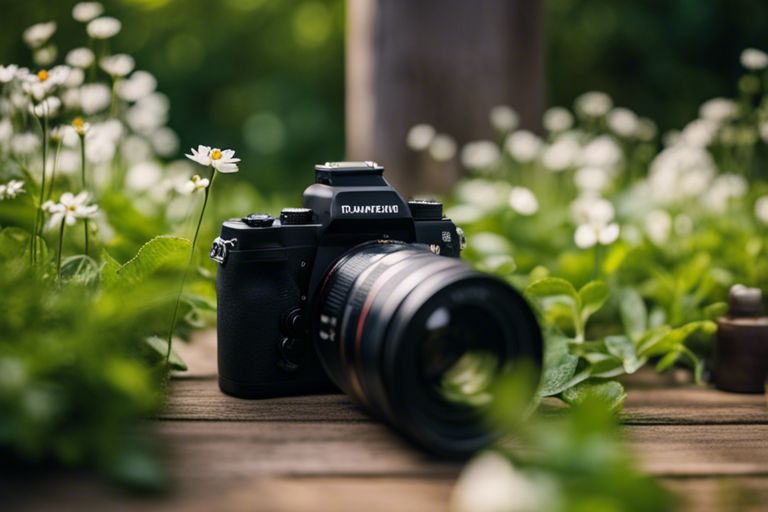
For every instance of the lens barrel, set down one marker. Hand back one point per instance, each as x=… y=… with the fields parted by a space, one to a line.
x=417 y=339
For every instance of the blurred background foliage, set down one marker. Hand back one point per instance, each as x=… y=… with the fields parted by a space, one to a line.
x=268 y=77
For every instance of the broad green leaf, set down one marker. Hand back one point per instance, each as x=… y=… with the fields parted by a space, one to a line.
x=666 y=362
x=551 y=287
x=634 y=315
x=623 y=348
x=559 y=365
x=109 y=269
x=604 y=365
x=611 y=393
x=160 y=252
x=716 y=310
x=673 y=339
x=160 y=347
x=592 y=297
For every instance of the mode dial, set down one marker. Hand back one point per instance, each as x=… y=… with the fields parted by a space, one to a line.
x=426 y=210
x=258 y=220
x=293 y=216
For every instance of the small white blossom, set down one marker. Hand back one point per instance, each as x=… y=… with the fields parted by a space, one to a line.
x=135 y=149
x=480 y=154
x=86 y=11
x=658 y=225
x=683 y=225
x=557 y=119
x=137 y=86
x=24 y=143
x=591 y=179
x=484 y=194
x=420 y=136
x=724 y=188
x=587 y=209
x=222 y=160
x=8 y=73
x=523 y=201
x=143 y=176
x=523 y=146
x=118 y=65
x=602 y=151
x=75 y=79
x=80 y=57
x=45 y=56
x=761 y=209
x=69 y=208
x=699 y=133
x=49 y=107
x=680 y=172
x=94 y=98
x=39 y=34
x=194 y=184
x=717 y=109
x=646 y=129
x=6 y=130
x=589 y=235
x=754 y=59
x=623 y=122
x=42 y=83
x=442 y=148
x=104 y=27
x=504 y=118
x=11 y=189
x=165 y=142
x=562 y=154
x=594 y=104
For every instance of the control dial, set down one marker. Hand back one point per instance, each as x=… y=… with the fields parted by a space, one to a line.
x=426 y=210
x=295 y=216
x=258 y=220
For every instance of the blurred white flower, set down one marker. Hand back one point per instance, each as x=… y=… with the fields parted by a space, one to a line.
x=137 y=86
x=222 y=160
x=557 y=119
x=86 y=11
x=39 y=34
x=69 y=208
x=49 y=107
x=8 y=73
x=442 y=148
x=69 y=160
x=602 y=151
x=75 y=79
x=680 y=172
x=683 y=225
x=148 y=113
x=143 y=176
x=24 y=143
x=658 y=225
x=165 y=142
x=588 y=209
x=591 y=180
x=42 y=83
x=79 y=57
x=503 y=118
x=562 y=154
x=134 y=149
x=724 y=188
x=420 y=136
x=589 y=235
x=11 y=189
x=488 y=243
x=523 y=146
x=523 y=201
x=117 y=66
x=480 y=154
x=483 y=194
x=111 y=129
x=699 y=133
x=194 y=184
x=646 y=129
x=45 y=56
x=761 y=209
x=6 y=130
x=717 y=109
x=754 y=59
x=490 y=483
x=80 y=127
x=671 y=138
x=94 y=98
x=763 y=129
x=464 y=213
x=623 y=122
x=593 y=104
x=104 y=27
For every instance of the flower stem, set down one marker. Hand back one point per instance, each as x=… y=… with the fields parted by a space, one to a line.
x=82 y=176
x=61 y=244
x=38 y=231
x=174 y=318
x=53 y=171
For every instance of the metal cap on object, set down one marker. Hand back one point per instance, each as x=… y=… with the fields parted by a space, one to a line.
x=258 y=220
x=425 y=209
x=294 y=216
x=745 y=301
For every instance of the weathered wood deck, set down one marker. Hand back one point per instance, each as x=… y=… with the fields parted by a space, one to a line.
x=320 y=453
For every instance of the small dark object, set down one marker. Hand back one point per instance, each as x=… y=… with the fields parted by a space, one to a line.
x=350 y=290
x=741 y=348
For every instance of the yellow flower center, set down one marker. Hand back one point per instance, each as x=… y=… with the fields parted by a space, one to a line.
x=79 y=125
x=71 y=208
x=42 y=75
x=215 y=154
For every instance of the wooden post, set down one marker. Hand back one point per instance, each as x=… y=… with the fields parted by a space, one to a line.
x=442 y=62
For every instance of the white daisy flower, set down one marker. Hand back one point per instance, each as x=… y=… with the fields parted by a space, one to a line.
x=143 y=176
x=94 y=98
x=80 y=57
x=86 y=11
x=221 y=160
x=137 y=86
x=602 y=151
x=480 y=154
x=717 y=109
x=442 y=148
x=658 y=225
x=6 y=130
x=69 y=208
x=39 y=34
x=40 y=84
x=504 y=118
x=589 y=235
x=11 y=189
x=104 y=27
x=561 y=154
x=591 y=180
x=75 y=79
x=761 y=209
x=420 y=136
x=557 y=119
x=165 y=142
x=45 y=56
x=24 y=143
x=80 y=126
x=118 y=65
x=49 y=107
x=8 y=73
x=623 y=122
x=523 y=146
x=523 y=201
x=194 y=184
x=594 y=104
x=754 y=59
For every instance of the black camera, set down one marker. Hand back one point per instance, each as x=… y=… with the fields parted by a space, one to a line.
x=366 y=291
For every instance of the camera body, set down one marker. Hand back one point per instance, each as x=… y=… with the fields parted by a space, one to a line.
x=270 y=269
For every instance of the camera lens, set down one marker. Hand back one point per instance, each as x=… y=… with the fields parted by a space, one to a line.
x=419 y=339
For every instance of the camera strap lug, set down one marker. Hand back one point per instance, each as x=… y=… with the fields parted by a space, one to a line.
x=220 y=249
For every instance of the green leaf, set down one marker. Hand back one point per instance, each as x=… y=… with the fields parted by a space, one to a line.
x=604 y=365
x=80 y=269
x=623 y=348
x=109 y=269
x=666 y=362
x=634 y=314
x=551 y=287
x=160 y=347
x=559 y=365
x=592 y=297
x=716 y=310
x=610 y=393
x=674 y=339
x=159 y=252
